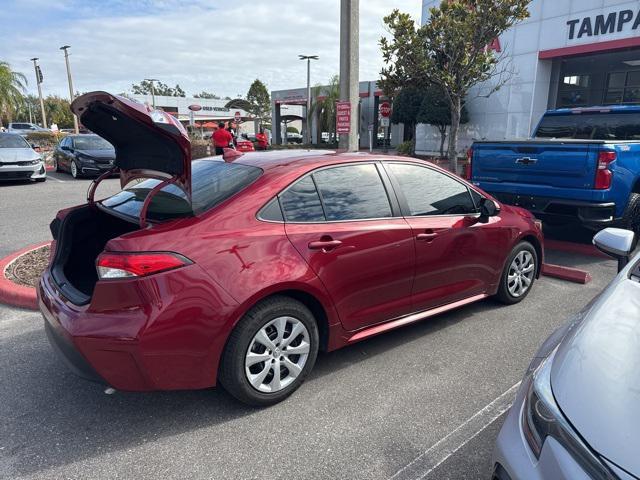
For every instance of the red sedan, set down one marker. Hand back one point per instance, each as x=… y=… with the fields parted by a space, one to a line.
x=240 y=272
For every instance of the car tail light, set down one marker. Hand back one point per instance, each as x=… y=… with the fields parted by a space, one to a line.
x=467 y=168
x=127 y=265
x=604 y=174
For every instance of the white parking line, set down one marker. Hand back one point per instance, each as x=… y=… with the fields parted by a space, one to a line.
x=430 y=459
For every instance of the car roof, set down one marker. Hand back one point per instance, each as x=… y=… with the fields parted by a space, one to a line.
x=310 y=159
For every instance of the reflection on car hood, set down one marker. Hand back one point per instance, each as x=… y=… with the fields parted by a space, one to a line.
x=596 y=374
x=110 y=154
x=12 y=155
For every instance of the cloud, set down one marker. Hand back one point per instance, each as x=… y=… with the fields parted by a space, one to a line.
x=220 y=48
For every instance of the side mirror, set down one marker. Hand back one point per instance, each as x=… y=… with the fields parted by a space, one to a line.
x=617 y=243
x=65 y=148
x=488 y=208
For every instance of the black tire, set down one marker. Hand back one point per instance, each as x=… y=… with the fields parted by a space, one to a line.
x=74 y=168
x=41 y=179
x=232 y=368
x=631 y=217
x=56 y=165
x=504 y=295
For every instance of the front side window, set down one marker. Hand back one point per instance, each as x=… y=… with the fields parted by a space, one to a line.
x=352 y=192
x=429 y=192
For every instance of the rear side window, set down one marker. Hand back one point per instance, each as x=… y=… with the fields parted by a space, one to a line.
x=591 y=126
x=301 y=202
x=352 y=192
x=429 y=192
x=212 y=183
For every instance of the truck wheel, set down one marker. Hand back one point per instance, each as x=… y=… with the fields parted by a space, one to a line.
x=518 y=275
x=631 y=218
x=270 y=352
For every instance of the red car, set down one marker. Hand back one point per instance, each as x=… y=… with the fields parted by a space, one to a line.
x=244 y=145
x=240 y=272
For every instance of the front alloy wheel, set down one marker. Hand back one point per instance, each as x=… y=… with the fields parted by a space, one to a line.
x=277 y=354
x=521 y=273
x=74 y=169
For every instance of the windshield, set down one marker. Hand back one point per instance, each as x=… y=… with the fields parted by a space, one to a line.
x=212 y=183
x=13 y=141
x=91 y=143
x=591 y=126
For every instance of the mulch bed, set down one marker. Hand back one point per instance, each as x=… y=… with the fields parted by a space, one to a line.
x=27 y=269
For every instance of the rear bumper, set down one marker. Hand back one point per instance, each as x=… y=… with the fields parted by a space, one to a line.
x=596 y=214
x=157 y=333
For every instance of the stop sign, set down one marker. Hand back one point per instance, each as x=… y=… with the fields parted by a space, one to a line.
x=385 y=109
x=238 y=116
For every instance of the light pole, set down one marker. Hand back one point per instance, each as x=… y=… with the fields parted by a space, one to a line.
x=307 y=131
x=36 y=68
x=349 y=73
x=65 y=48
x=153 y=92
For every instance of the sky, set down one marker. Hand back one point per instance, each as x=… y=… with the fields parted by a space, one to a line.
x=217 y=46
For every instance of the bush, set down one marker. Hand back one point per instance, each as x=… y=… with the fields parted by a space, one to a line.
x=405 y=148
x=44 y=140
x=292 y=130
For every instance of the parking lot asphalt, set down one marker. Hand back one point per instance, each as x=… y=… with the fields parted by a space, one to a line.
x=424 y=401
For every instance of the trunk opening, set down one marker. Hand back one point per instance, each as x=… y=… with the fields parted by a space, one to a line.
x=82 y=236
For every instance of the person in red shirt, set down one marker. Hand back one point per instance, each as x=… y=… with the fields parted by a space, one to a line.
x=221 y=139
x=261 y=140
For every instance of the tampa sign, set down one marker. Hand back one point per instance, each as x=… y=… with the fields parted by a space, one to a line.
x=603 y=24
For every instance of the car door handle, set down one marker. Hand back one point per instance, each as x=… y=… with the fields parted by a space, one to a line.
x=426 y=237
x=324 y=245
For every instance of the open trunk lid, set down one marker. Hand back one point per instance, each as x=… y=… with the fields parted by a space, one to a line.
x=148 y=143
x=555 y=163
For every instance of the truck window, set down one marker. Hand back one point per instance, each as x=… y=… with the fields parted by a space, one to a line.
x=591 y=126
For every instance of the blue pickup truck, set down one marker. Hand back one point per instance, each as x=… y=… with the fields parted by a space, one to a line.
x=581 y=164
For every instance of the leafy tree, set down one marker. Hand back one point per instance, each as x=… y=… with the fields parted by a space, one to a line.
x=159 y=88
x=325 y=108
x=406 y=107
x=292 y=129
x=58 y=111
x=12 y=88
x=205 y=94
x=404 y=55
x=260 y=100
x=456 y=40
x=436 y=111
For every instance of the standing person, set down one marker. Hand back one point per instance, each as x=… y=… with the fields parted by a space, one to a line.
x=221 y=139
x=262 y=141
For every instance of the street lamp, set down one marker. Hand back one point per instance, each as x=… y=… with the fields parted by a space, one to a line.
x=307 y=131
x=66 y=59
x=153 y=92
x=39 y=81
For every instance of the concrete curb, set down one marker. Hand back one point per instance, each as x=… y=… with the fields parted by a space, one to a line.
x=11 y=293
x=569 y=274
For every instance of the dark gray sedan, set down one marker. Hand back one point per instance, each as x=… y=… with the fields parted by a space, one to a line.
x=577 y=413
x=83 y=155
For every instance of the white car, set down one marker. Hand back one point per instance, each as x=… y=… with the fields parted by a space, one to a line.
x=23 y=128
x=19 y=161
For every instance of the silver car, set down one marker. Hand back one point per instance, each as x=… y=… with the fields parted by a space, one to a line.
x=18 y=161
x=24 y=128
x=577 y=413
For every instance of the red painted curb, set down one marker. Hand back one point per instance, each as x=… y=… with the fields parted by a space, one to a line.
x=12 y=293
x=571 y=247
x=566 y=273
x=50 y=168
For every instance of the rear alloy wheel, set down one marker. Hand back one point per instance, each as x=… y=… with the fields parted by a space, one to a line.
x=519 y=274
x=74 y=170
x=631 y=217
x=270 y=352
x=56 y=167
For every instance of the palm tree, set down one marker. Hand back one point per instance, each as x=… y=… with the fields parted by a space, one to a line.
x=325 y=108
x=12 y=88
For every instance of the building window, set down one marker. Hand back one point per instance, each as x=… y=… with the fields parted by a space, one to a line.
x=623 y=87
x=574 y=91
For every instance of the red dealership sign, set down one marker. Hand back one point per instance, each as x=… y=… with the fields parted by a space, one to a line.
x=343 y=117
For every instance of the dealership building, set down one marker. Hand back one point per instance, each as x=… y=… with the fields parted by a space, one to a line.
x=568 y=53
